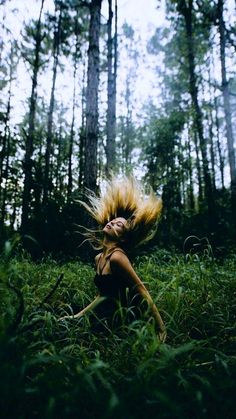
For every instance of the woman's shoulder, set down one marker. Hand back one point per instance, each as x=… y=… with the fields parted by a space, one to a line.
x=119 y=257
x=97 y=257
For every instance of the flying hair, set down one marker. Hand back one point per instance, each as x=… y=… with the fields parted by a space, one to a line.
x=126 y=198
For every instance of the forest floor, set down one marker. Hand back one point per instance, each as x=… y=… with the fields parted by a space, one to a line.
x=52 y=369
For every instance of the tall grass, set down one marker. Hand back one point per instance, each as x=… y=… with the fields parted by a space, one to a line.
x=52 y=369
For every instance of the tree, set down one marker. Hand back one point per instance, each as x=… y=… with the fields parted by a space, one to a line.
x=111 y=90
x=186 y=10
x=76 y=56
x=7 y=137
x=29 y=146
x=91 y=139
x=126 y=129
x=56 y=49
x=227 y=110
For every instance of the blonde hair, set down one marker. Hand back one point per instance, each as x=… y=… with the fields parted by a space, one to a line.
x=124 y=198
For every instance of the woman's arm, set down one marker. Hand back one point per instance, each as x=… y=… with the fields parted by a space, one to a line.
x=121 y=264
x=91 y=306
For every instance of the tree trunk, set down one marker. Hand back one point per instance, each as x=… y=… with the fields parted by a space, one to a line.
x=56 y=47
x=180 y=174
x=14 y=204
x=31 y=131
x=111 y=117
x=198 y=164
x=91 y=136
x=72 y=133
x=225 y=89
x=5 y=189
x=82 y=132
x=187 y=12
x=127 y=136
x=59 y=154
x=115 y=68
x=5 y=152
x=190 y=171
x=218 y=142
x=212 y=150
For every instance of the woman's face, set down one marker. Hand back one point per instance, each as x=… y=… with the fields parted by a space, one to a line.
x=115 y=228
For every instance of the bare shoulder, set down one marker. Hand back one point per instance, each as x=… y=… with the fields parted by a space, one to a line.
x=119 y=259
x=97 y=257
x=121 y=265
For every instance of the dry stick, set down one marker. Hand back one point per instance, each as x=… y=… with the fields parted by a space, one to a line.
x=28 y=326
x=59 y=279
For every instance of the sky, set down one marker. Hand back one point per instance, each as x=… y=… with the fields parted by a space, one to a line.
x=142 y=15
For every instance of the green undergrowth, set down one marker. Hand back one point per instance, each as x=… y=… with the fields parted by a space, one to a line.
x=52 y=369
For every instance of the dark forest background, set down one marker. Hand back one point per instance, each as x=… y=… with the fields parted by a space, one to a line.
x=73 y=107
x=182 y=143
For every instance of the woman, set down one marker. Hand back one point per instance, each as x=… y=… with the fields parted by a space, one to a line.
x=126 y=218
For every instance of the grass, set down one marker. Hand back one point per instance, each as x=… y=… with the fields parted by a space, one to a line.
x=62 y=370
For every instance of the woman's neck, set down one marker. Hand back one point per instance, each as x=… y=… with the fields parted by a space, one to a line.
x=108 y=246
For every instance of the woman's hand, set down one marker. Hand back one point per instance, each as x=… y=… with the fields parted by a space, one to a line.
x=90 y=307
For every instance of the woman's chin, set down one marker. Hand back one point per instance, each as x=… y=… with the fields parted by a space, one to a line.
x=109 y=237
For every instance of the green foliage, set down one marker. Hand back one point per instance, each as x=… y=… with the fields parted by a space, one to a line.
x=57 y=369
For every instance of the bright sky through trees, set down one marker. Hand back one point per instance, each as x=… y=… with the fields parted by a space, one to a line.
x=143 y=17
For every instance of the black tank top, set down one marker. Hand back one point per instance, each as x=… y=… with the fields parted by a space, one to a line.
x=117 y=291
x=109 y=285
x=118 y=294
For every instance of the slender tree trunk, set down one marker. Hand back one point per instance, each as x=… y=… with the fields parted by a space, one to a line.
x=216 y=123
x=187 y=11
x=71 y=145
x=5 y=152
x=56 y=47
x=37 y=190
x=72 y=133
x=190 y=167
x=15 y=204
x=210 y=119
x=122 y=141
x=91 y=139
x=59 y=157
x=115 y=68
x=225 y=88
x=110 y=146
x=198 y=165
x=127 y=145
x=218 y=142
x=151 y=166
x=81 y=156
x=127 y=148
x=181 y=175
x=82 y=132
x=212 y=151
x=31 y=131
x=4 y=192
x=2 y=34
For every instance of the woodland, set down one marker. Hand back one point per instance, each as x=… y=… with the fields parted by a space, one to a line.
x=181 y=143
x=70 y=115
